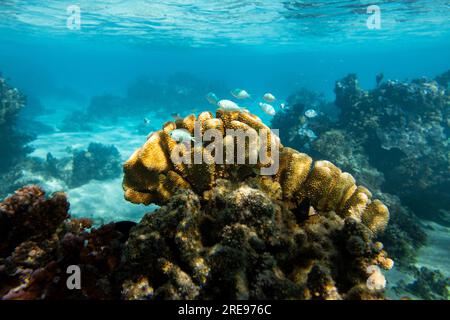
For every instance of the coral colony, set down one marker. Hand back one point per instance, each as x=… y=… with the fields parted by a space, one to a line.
x=243 y=214
x=223 y=231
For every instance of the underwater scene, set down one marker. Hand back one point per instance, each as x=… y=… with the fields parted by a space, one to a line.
x=203 y=150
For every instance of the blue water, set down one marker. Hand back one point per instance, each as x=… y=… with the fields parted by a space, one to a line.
x=262 y=46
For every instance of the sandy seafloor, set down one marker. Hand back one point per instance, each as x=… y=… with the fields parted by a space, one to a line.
x=104 y=202
x=101 y=200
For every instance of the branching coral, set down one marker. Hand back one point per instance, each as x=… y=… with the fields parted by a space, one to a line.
x=226 y=231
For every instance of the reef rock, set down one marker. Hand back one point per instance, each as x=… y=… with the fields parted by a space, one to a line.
x=226 y=231
x=38 y=243
x=393 y=140
x=404 y=128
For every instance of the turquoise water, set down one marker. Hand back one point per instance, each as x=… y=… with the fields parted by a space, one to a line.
x=261 y=46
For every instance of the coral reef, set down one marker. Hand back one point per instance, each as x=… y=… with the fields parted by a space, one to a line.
x=394 y=140
x=444 y=79
x=77 y=121
x=12 y=140
x=98 y=162
x=404 y=129
x=225 y=231
x=238 y=242
x=39 y=243
x=293 y=118
x=28 y=216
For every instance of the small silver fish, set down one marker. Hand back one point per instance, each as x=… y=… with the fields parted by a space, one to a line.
x=228 y=105
x=212 y=98
x=240 y=94
x=268 y=97
x=267 y=108
x=311 y=113
x=146 y=121
x=181 y=135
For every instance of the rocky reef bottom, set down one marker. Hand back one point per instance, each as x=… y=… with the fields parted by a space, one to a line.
x=237 y=242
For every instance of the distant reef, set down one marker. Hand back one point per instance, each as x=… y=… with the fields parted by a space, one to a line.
x=394 y=139
x=12 y=140
x=144 y=95
x=97 y=162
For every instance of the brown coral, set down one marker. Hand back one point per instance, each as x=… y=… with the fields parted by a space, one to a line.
x=28 y=215
x=38 y=243
x=240 y=243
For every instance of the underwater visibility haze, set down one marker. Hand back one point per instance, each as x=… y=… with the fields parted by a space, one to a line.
x=96 y=98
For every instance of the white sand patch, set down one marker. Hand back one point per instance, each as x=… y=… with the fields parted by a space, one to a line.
x=103 y=201
x=123 y=137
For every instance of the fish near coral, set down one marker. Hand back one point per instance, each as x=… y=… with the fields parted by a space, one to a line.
x=305 y=211
x=267 y=108
x=268 y=97
x=228 y=105
x=240 y=94
x=181 y=135
x=151 y=175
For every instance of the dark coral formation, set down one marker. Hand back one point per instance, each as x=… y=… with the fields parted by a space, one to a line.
x=428 y=284
x=292 y=118
x=29 y=216
x=394 y=140
x=100 y=162
x=242 y=243
x=39 y=243
x=12 y=140
x=238 y=242
x=404 y=129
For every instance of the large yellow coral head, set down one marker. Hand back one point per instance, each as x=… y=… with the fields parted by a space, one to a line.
x=192 y=153
x=156 y=171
